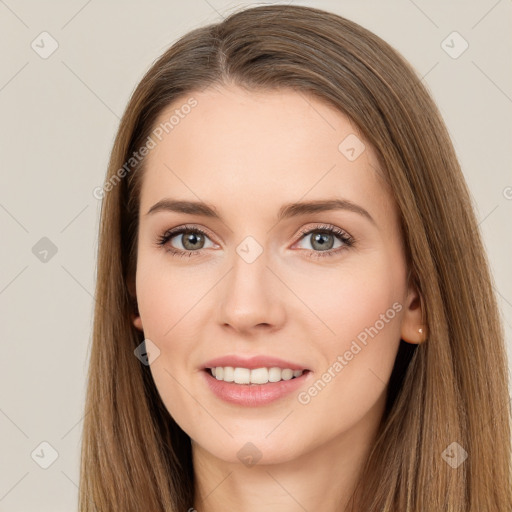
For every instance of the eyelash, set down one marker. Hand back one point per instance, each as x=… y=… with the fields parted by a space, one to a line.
x=324 y=228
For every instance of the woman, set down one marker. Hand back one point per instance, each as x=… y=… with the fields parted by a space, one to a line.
x=294 y=307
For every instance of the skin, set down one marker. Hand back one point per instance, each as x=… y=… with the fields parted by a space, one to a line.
x=247 y=154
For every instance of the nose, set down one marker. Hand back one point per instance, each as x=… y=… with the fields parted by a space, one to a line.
x=251 y=296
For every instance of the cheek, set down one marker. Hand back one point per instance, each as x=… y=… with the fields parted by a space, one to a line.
x=165 y=296
x=351 y=387
x=342 y=301
x=170 y=302
x=359 y=310
x=166 y=306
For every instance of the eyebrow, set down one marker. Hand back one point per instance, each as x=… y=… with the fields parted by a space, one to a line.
x=285 y=212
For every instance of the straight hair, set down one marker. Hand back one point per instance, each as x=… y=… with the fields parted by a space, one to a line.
x=453 y=388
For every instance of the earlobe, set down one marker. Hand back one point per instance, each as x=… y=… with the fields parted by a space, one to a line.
x=413 y=328
x=135 y=316
x=137 y=322
x=414 y=337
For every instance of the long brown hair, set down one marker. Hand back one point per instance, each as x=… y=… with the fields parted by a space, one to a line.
x=451 y=389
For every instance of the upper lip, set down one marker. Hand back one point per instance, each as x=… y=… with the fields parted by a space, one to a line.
x=258 y=361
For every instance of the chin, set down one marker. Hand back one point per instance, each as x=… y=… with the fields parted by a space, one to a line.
x=250 y=450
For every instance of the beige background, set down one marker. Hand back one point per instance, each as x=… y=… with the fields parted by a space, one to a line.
x=59 y=117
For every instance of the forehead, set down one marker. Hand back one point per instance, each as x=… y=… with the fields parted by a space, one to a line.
x=258 y=147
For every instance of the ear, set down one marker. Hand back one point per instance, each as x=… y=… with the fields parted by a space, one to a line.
x=413 y=329
x=134 y=316
x=136 y=320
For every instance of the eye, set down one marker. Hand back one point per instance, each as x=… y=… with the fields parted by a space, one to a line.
x=191 y=239
x=322 y=239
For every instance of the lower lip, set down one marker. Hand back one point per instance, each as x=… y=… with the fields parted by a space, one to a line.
x=253 y=395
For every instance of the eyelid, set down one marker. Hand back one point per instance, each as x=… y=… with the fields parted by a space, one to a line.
x=323 y=227
x=347 y=240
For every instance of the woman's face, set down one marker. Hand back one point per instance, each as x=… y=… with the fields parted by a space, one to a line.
x=266 y=280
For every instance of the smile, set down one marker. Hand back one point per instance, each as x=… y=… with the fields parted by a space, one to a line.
x=254 y=387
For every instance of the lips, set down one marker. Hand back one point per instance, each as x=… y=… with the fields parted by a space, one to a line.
x=258 y=361
x=255 y=395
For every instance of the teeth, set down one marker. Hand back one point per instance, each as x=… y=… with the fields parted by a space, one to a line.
x=255 y=376
x=258 y=375
x=242 y=375
x=229 y=374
